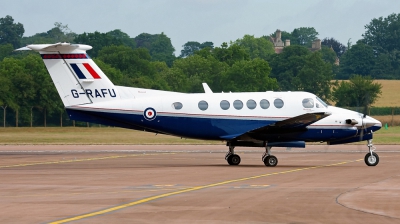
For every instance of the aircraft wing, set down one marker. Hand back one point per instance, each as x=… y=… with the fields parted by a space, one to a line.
x=300 y=121
x=290 y=125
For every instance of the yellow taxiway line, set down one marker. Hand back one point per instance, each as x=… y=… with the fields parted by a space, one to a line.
x=152 y=198
x=79 y=160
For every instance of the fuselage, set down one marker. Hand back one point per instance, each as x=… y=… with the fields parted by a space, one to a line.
x=223 y=116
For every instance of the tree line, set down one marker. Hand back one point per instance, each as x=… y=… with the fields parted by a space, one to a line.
x=246 y=64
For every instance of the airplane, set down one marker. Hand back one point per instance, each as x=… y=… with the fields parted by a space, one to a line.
x=244 y=119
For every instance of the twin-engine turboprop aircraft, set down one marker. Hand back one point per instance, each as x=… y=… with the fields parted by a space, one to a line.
x=254 y=119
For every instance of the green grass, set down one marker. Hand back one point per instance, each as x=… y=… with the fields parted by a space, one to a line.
x=389 y=136
x=88 y=136
x=119 y=136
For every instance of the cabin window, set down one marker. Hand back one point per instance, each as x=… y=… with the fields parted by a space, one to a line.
x=308 y=103
x=278 y=103
x=203 y=105
x=225 y=104
x=264 y=104
x=237 y=104
x=177 y=105
x=251 y=104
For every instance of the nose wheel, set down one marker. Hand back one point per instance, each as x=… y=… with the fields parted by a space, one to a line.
x=371 y=158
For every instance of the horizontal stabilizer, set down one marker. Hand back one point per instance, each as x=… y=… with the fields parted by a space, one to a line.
x=58 y=47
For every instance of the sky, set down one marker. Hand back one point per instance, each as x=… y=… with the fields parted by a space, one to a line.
x=201 y=20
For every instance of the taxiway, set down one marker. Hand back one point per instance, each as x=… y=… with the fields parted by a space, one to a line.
x=194 y=184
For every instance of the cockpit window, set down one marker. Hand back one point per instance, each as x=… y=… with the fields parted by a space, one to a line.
x=321 y=102
x=308 y=103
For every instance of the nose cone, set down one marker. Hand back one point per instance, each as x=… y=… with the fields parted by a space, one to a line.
x=373 y=123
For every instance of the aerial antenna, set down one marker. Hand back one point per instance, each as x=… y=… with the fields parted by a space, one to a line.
x=206 y=88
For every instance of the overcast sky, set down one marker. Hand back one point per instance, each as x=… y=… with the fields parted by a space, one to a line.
x=201 y=20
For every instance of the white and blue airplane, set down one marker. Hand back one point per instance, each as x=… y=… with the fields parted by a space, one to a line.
x=252 y=119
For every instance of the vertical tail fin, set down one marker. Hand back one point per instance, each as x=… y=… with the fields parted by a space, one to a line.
x=77 y=78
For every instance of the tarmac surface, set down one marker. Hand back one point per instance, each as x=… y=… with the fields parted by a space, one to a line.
x=194 y=184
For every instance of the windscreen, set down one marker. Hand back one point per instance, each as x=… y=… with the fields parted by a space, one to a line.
x=321 y=103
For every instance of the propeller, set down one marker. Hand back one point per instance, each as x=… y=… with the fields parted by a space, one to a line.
x=363 y=116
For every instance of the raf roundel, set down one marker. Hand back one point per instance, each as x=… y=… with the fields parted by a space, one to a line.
x=150 y=114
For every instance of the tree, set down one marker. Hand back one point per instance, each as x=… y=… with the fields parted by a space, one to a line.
x=230 y=54
x=132 y=62
x=135 y=65
x=328 y=55
x=338 y=47
x=159 y=46
x=359 y=59
x=47 y=99
x=114 y=74
x=383 y=34
x=198 y=69
x=59 y=33
x=297 y=69
x=359 y=91
x=189 y=48
x=5 y=50
x=342 y=94
x=249 y=76
x=10 y=32
x=192 y=46
x=208 y=44
x=6 y=97
x=383 y=68
x=21 y=88
x=176 y=79
x=304 y=36
x=123 y=37
x=315 y=76
x=287 y=65
x=256 y=47
x=98 y=40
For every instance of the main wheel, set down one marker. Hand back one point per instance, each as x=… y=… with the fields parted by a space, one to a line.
x=271 y=161
x=371 y=160
x=234 y=160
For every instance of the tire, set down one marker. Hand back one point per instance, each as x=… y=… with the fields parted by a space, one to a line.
x=371 y=160
x=271 y=161
x=234 y=160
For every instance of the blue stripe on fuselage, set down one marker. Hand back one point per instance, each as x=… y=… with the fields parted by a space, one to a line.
x=204 y=128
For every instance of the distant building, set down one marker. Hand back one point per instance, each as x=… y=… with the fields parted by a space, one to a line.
x=279 y=44
x=316 y=45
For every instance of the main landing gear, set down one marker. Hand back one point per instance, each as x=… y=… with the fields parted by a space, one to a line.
x=371 y=158
x=267 y=158
x=231 y=157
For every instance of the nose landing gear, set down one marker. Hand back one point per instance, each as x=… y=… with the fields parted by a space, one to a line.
x=371 y=158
